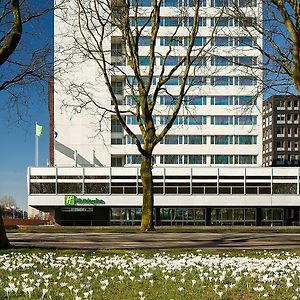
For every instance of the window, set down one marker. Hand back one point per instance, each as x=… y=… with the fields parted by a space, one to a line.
x=117 y=141
x=221 y=61
x=245 y=41
x=281 y=117
x=195 y=159
x=170 y=3
x=194 y=139
x=222 y=41
x=195 y=100
x=221 y=80
x=116 y=125
x=198 y=61
x=219 y=3
x=245 y=159
x=117 y=87
x=167 y=100
x=245 y=80
x=245 y=100
x=171 y=159
x=247 y=60
x=144 y=41
x=246 y=3
x=245 y=120
x=130 y=140
x=132 y=100
x=191 y=3
x=222 y=21
x=221 y=100
x=196 y=80
x=117 y=161
x=196 y=120
x=221 y=120
x=172 y=140
x=144 y=60
x=141 y=3
x=170 y=61
x=280 y=130
x=133 y=159
x=222 y=159
x=199 y=41
x=141 y=21
x=116 y=49
x=171 y=21
x=246 y=139
x=173 y=81
x=174 y=41
x=222 y=139
x=131 y=120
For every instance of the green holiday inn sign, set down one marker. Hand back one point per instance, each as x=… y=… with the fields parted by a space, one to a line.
x=71 y=200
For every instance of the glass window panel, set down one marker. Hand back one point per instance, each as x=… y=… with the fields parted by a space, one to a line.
x=167 y=100
x=195 y=100
x=133 y=159
x=222 y=159
x=246 y=100
x=144 y=41
x=170 y=61
x=172 y=81
x=246 y=41
x=42 y=188
x=222 y=41
x=284 y=188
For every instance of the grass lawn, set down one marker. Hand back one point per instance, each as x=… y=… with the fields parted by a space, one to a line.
x=151 y=274
x=132 y=229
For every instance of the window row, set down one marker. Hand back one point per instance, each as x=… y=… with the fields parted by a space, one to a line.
x=288 y=117
x=198 y=81
x=195 y=159
x=196 y=188
x=218 y=61
x=201 y=139
x=220 y=41
x=189 y=21
x=191 y=3
x=199 y=100
x=200 y=120
x=288 y=131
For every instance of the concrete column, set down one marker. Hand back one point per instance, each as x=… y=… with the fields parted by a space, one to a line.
x=258 y=216
x=208 y=216
x=58 y=215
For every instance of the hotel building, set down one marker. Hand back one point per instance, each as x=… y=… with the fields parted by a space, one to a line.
x=207 y=170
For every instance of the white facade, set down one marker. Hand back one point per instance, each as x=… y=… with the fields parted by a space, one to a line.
x=221 y=129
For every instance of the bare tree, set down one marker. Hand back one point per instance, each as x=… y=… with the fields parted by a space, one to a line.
x=26 y=61
x=280 y=27
x=8 y=201
x=20 y=66
x=85 y=32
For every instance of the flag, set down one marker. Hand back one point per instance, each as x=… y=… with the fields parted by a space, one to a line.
x=38 y=129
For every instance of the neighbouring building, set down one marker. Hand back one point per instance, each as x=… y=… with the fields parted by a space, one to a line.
x=207 y=170
x=281 y=131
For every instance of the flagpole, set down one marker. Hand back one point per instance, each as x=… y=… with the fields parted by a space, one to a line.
x=36 y=149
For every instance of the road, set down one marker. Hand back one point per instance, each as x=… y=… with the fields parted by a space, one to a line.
x=154 y=240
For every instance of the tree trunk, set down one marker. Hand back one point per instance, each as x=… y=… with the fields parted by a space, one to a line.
x=4 y=243
x=148 y=198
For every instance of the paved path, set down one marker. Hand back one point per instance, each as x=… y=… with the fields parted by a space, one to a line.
x=155 y=240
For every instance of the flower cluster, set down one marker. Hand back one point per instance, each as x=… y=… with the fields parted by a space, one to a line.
x=134 y=275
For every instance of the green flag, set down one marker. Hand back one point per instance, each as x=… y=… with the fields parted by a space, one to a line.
x=38 y=129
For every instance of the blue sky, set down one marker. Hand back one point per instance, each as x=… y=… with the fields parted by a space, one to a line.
x=17 y=150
